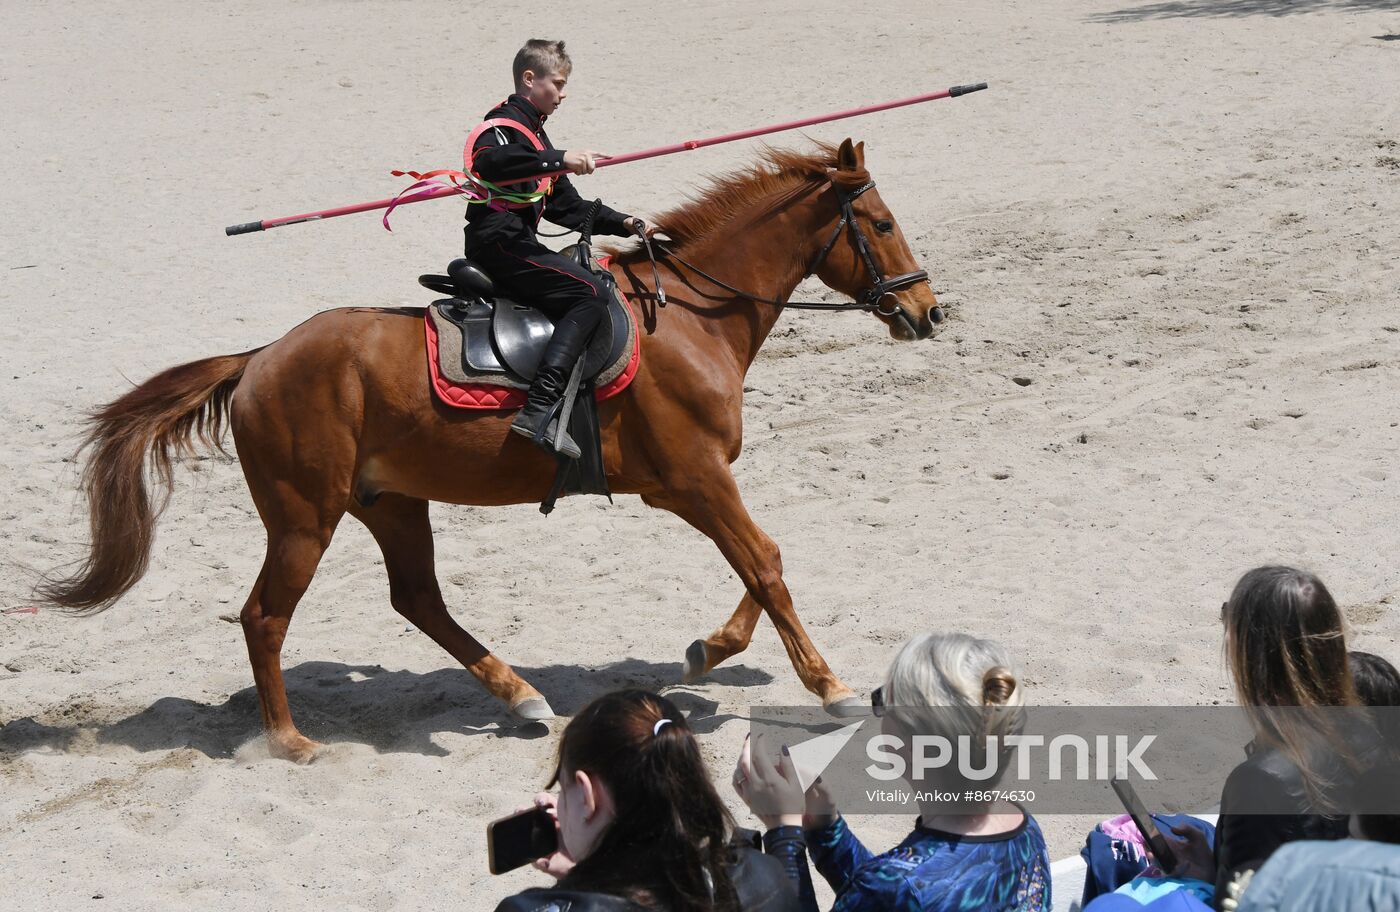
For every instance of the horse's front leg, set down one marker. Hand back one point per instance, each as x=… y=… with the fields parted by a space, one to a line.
x=709 y=500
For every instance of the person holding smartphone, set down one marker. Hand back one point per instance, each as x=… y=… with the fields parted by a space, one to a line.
x=639 y=826
x=1286 y=650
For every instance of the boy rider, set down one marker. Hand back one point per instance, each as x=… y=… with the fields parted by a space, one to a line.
x=502 y=240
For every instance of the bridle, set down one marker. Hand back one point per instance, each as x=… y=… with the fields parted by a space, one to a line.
x=871 y=299
x=880 y=287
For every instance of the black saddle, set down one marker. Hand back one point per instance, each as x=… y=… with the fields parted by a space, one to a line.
x=503 y=336
x=505 y=339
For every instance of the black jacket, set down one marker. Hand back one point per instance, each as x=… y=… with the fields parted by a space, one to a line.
x=502 y=154
x=1270 y=781
x=760 y=881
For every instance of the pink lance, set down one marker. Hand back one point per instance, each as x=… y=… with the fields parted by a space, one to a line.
x=688 y=145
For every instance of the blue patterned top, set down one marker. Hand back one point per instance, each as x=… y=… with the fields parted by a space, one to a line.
x=930 y=871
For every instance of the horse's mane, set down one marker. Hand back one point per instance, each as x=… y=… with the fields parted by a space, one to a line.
x=726 y=195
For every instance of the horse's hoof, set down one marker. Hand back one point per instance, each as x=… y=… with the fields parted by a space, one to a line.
x=695 y=659
x=299 y=749
x=531 y=711
x=848 y=707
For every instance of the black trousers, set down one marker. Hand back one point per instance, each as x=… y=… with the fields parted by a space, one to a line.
x=564 y=291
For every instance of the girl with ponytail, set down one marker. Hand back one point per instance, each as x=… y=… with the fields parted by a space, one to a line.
x=989 y=855
x=641 y=827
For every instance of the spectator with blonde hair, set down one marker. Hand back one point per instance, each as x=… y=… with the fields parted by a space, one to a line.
x=961 y=855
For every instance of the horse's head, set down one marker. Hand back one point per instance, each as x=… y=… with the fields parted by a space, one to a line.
x=867 y=257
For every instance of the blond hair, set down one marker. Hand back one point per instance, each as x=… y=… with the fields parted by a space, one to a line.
x=954 y=685
x=544 y=57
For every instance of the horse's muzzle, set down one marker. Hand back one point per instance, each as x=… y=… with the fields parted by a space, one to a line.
x=925 y=328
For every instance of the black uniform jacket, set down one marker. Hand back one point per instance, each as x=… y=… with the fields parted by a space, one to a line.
x=502 y=154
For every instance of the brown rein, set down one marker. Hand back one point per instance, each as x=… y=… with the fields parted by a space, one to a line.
x=869 y=300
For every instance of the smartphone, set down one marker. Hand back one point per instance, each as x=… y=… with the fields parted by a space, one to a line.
x=519 y=839
x=1166 y=859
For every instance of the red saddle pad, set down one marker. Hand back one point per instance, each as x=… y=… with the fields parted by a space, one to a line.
x=491 y=397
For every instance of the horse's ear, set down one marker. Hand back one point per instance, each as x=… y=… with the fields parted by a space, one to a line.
x=850 y=158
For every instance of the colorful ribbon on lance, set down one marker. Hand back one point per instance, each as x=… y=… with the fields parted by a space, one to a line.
x=424 y=183
x=476 y=189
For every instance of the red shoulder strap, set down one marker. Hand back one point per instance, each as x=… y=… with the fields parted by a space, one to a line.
x=468 y=153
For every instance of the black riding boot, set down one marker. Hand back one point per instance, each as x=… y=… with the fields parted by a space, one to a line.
x=548 y=386
x=545 y=390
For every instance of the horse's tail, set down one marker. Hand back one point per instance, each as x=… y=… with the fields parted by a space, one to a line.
x=161 y=420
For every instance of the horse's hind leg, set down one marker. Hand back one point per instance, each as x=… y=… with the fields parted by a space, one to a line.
x=300 y=503
x=293 y=551
x=729 y=639
x=401 y=526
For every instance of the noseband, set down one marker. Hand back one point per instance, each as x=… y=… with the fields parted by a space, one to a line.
x=871 y=299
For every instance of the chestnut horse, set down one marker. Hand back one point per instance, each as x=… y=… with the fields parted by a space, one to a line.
x=337 y=417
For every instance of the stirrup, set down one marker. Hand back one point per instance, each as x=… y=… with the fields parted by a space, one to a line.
x=559 y=443
x=565 y=410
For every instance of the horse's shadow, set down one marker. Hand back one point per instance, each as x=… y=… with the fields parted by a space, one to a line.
x=390 y=711
x=1235 y=9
